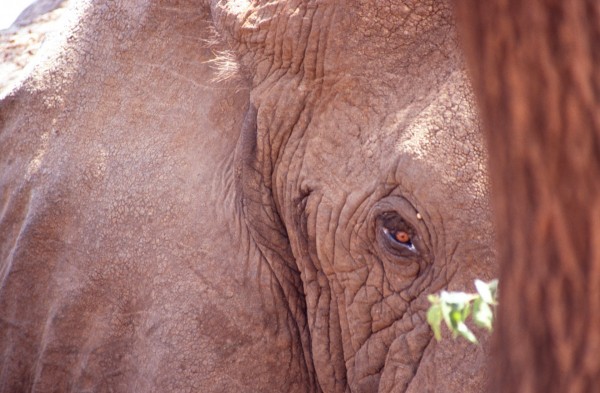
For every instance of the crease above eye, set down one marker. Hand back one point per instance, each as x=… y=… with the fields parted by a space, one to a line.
x=408 y=244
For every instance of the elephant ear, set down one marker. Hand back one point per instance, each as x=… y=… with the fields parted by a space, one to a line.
x=105 y=187
x=255 y=192
x=148 y=84
x=126 y=93
x=119 y=156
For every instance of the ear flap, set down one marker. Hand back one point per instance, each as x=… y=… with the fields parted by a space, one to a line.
x=253 y=175
x=255 y=194
x=110 y=158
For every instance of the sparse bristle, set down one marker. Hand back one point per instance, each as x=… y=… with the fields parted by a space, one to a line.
x=224 y=62
x=225 y=65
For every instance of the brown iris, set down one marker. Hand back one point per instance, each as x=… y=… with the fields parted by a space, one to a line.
x=402 y=236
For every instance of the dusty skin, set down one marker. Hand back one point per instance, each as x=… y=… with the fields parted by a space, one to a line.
x=245 y=196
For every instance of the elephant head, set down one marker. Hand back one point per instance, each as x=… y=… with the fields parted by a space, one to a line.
x=164 y=230
x=362 y=176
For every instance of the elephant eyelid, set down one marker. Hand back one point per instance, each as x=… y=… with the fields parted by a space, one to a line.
x=398 y=233
x=396 y=236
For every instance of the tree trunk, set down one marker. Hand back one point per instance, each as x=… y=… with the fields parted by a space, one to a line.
x=536 y=70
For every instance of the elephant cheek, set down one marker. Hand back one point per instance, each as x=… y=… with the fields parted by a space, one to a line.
x=404 y=358
x=417 y=364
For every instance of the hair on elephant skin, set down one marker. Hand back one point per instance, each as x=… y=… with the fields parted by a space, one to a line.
x=241 y=196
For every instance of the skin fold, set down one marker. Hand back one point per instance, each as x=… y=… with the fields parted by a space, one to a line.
x=209 y=196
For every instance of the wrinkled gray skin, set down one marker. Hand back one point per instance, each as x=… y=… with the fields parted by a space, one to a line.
x=161 y=231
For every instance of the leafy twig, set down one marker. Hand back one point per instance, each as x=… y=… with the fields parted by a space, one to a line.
x=455 y=307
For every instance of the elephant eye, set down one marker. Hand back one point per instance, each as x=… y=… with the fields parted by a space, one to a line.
x=401 y=237
x=398 y=236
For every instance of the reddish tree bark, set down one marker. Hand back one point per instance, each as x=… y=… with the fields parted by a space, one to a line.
x=536 y=70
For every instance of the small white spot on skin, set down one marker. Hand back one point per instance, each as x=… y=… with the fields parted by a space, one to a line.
x=419 y=216
x=237 y=6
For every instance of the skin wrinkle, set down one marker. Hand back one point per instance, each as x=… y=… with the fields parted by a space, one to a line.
x=292 y=313
x=417 y=363
x=266 y=241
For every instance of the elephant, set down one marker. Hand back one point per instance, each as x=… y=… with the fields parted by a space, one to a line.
x=241 y=196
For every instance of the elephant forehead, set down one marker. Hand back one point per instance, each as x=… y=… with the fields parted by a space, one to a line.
x=397 y=23
x=369 y=138
x=446 y=135
x=317 y=37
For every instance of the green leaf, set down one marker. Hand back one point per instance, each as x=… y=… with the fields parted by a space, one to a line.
x=434 y=319
x=433 y=299
x=465 y=332
x=482 y=314
x=456 y=319
x=484 y=291
x=446 y=310
x=466 y=311
x=456 y=316
x=456 y=298
x=454 y=308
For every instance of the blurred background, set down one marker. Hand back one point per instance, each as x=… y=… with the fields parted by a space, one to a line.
x=24 y=27
x=10 y=9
